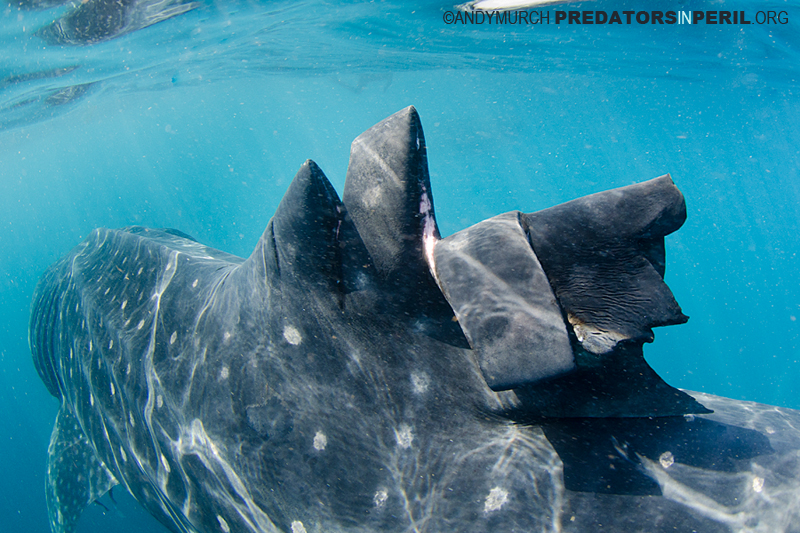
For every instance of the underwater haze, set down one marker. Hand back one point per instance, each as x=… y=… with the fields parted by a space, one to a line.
x=199 y=122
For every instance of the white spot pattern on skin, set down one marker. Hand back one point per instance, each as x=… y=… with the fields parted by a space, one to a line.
x=124 y=304
x=666 y=459
x=380 y=498
x=420 y=382
x=292 y=336
x=165 y=463
x=160 y=401
x=223 y=524
x=124 y=455
x=140 y=325
x=173 y=337
x=320 y=441
x=194 y=284
x=758 y=484
x=298 y=527
x=130 y=417
x=404 y=436
x=495 y=500
x=226 y=336
x=112 y=389
x=224 y=373
x=110 y=344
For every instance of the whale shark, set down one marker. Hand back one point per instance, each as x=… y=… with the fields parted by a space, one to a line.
x=358 y=372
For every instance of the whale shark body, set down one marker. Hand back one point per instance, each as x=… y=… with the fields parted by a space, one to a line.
x=360 y=373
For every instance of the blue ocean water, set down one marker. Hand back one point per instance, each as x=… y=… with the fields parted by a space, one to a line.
x=200 y=122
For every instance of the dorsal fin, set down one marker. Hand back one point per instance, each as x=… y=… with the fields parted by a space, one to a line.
x=305 y=225
x=388 y=197
x=604 y=257
x=300 y=242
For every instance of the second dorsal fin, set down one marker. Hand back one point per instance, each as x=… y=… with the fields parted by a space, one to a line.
x=387 y=195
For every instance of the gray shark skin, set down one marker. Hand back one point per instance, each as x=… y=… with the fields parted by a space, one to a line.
x=358 y=373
